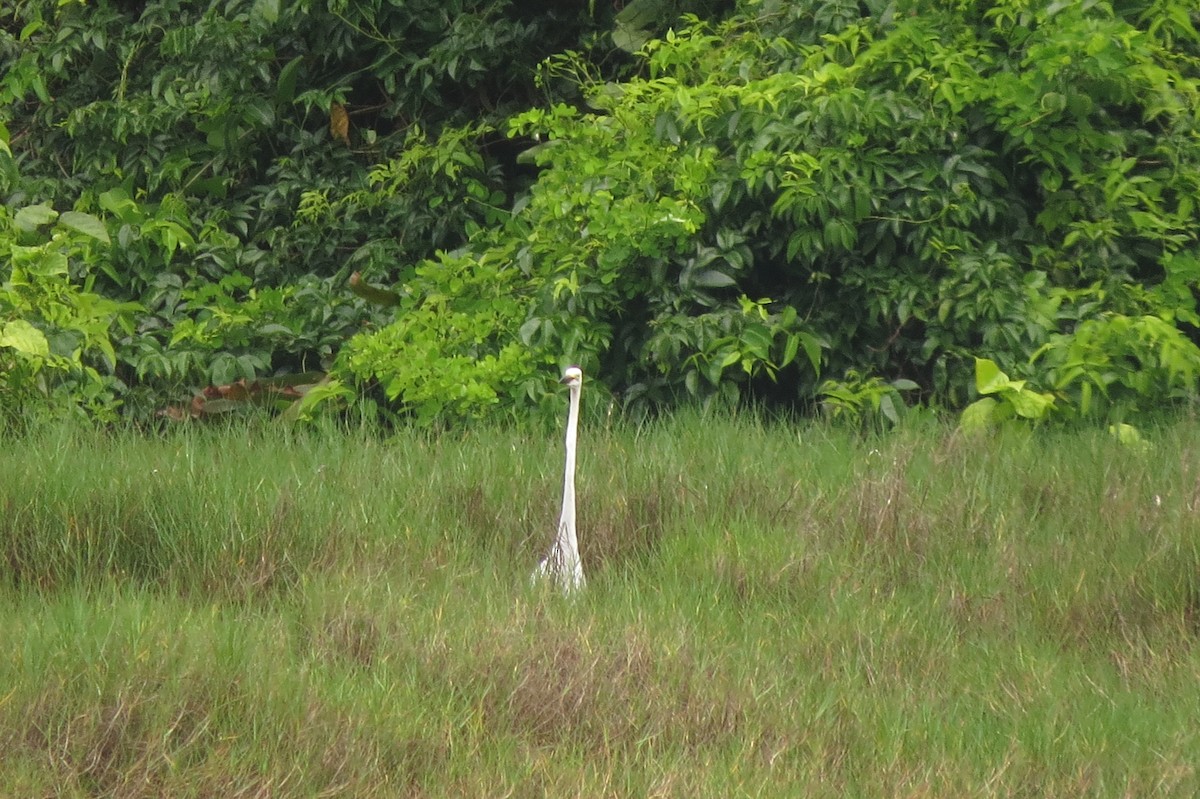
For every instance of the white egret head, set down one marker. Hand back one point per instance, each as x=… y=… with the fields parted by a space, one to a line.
x=572 y=376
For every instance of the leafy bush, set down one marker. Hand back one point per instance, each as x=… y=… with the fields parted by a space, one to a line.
x=1123 y=362
x=56 y=348
x=858 y=398
x=1004 y=399
x=204 y=131
x=748 y=203
x=890 y=194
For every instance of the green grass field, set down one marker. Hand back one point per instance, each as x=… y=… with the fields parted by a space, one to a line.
x=772 y=611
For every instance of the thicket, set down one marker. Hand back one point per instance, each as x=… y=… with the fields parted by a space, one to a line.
x=864 y=204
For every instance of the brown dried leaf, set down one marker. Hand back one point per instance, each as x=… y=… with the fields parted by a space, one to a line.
x=339 y=123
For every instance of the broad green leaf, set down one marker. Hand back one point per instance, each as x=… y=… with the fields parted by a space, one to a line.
x=1030 y=404
x=529 y=330
x=757 y=340
x=790 y=348
x=260 y=112
x=44 y=262
x=888 y=408
x=641 y=13
x=1128 y=436
x=979 y=415
x=631 y=40
x=800 y=240
x=720 y=190
x=31 y=217
x=117 y=201
x=531 y=155
x=30 y=29
x=85 y=224
x=988 y=377
x=24 y=338
x=712 y=279
x=285 y=88
x=812 y=348
x=1053 y=102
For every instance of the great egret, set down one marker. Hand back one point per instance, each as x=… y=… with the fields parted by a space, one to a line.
x=562 y=563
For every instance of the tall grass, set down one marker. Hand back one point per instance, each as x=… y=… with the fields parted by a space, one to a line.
x=771 y=611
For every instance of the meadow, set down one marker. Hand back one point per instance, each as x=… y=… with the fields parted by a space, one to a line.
x=772 y=610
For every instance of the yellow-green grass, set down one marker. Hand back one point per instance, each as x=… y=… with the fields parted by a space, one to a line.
x=772 y=610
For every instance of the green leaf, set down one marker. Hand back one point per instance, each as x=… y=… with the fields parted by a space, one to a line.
x=720 y=190
x=756 y=341
x=30 y=29
x=31 y=217
x=285 y=88
x=988 y=377
x=531 y=155
x=24 y=338
x=888 y=408
x=641 y=13
x=1129 y=436
x=1053 y=102
x=260 y=112
x=117 y=201
x=980 y=415
x=529 y=330
x=1030 y=404
x=790 y=348
x=86 y=224
x=266 y=10
x=41 y=261
x=712 y=279
x=812 y=348
x=631 y=40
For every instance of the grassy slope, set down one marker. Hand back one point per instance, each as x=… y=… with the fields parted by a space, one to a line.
x=772 y=611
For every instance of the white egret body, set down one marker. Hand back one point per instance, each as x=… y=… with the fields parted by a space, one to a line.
x=562 y=563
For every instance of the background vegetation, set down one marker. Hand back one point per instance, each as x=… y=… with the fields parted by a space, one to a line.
x=795 y=202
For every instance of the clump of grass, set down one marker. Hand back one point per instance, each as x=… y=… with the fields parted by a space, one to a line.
x=771 y=610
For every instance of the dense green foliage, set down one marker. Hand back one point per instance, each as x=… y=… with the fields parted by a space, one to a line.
x=196 y=132
x=790 y=201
